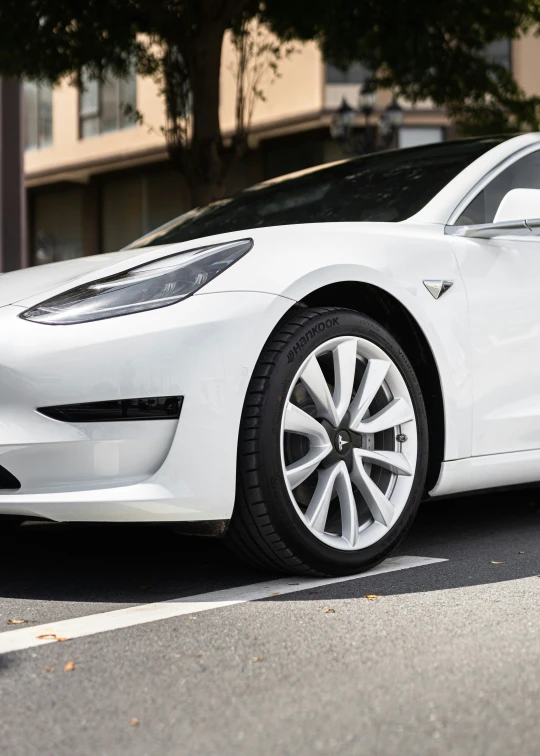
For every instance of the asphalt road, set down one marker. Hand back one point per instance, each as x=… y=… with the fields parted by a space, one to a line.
x=445 y=661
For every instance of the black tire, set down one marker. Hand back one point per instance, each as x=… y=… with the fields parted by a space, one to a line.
x=265 y=528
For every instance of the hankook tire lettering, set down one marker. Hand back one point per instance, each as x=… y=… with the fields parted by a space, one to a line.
x=319 y=328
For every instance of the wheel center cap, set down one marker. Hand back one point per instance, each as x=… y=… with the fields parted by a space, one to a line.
x=343 y=442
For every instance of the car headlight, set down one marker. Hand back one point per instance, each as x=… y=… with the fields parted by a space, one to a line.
x=147 y=287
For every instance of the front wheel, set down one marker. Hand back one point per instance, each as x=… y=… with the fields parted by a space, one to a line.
x=333 y=444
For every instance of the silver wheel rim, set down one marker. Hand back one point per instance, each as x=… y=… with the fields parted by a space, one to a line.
x=349 y=391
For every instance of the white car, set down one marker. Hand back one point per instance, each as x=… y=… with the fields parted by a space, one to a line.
x=294 y=367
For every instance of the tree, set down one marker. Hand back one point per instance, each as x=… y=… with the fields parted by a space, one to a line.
x=421 y=50
x=424 y=50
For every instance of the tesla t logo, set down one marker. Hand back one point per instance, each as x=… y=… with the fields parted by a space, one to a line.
x=342 y=442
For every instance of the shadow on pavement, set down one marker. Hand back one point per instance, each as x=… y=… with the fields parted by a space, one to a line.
x=140 y=564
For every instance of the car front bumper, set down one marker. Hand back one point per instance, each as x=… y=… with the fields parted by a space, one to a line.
x=168 y=470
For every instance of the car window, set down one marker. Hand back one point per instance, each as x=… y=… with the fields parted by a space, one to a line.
x=523 y=174
x=388 y=186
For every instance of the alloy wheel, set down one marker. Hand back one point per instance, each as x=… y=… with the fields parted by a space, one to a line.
x=349 y=443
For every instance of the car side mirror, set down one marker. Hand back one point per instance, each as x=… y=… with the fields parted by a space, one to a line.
x=517 y=215
x=518 y=204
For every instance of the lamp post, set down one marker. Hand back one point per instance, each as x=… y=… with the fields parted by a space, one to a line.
x=343 y=121
x=391 y=120
x=367 y=101
x=375 y=137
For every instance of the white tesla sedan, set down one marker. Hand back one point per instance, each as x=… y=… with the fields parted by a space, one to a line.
x=294 y=367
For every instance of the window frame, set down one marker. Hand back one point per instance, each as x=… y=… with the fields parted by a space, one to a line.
x=121 y=120
x=40 y=143
x=508 y=58
x=479 y=187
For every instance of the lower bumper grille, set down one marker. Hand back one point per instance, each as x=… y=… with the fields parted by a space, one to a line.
x=149 y=408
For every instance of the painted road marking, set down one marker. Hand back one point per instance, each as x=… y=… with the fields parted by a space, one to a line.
x=79 y=627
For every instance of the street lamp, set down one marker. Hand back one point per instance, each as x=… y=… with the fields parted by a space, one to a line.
x=343 y=122
x=392 y=119
x=367 y=101
x=367 y=98
x=379 y=137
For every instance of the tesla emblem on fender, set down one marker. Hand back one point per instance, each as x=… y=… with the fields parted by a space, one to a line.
x=438 y=288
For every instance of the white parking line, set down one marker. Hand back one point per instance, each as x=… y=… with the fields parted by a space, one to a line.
x=30 y=637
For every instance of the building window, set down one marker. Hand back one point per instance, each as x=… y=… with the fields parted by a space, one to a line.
x=415 y=136
x=37 y=114
x=500 y=52
x=57 y=223
x=355 y=74
x=107 y=106
x=133 y=206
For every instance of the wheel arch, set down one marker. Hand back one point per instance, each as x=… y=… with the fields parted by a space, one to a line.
x=383 y=307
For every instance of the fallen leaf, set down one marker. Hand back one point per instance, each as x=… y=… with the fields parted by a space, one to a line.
x=16 y=622
x=521 y=552
x=275 y=593
x=492 y=562
x=257 y=658
x=191 y=616
x=293 y=583
x=70 y=666
x=312 y=592
x=134 y=722
x=52 y=636
x=329 y=610
x=47 y=671
x=371 y=596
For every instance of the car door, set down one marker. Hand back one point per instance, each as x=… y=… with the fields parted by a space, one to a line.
x=502 y=280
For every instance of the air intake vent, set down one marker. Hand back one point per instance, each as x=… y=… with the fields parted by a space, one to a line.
x=8 y=482
x=149 y=408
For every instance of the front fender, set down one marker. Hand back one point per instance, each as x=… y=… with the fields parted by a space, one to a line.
x=295 y=261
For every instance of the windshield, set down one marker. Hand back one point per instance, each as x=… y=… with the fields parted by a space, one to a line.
x=387 y=186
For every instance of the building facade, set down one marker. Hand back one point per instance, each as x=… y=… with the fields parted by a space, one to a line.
x=97 y=178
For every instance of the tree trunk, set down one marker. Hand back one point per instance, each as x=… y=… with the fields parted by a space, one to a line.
x=207 y=168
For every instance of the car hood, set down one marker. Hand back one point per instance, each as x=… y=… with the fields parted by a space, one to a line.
x=31 y=285
x=30 y=282
x=28 y=287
